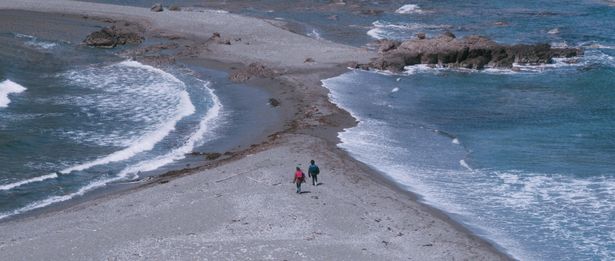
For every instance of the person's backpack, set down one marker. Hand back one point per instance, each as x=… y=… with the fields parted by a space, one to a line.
x=314 y=170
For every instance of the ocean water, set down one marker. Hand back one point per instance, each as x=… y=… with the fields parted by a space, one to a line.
x=525 y=159
x=73 y=119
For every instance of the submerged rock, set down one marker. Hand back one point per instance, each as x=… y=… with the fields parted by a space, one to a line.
x=472 y=52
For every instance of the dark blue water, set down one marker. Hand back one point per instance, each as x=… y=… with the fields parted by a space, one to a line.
x=524 y=158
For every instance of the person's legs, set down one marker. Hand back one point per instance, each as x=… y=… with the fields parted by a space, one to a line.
x=298 y=187
x=314 y=180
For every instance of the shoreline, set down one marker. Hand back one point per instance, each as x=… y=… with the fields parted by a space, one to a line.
x=321 y=125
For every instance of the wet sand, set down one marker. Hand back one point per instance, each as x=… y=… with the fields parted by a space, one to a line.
x=245 y=207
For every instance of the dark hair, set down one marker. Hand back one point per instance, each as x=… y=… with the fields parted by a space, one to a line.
x=312 y=161
x=298 y=168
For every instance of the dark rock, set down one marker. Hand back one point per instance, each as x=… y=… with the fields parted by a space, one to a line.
x=252 y=70
x=119 y=33
x=421 y=35
x=212 y=156
x=472 y=52
x=387 y=45
x=449 y=34
x=157 y=8
x=101 y=39
x=273 y=102
x=309 y=60
x=174 y=8
x=371 y=12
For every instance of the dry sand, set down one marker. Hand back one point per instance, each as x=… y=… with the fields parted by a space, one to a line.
x=246 y=209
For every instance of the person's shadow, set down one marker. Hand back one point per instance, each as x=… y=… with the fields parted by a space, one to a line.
x=304 y=192
x=319 y=183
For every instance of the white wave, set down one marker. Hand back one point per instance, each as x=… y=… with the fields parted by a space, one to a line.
x=455 y=141
x=205 y=125
x=465 y=165
x=7 y=87
x=376 y=33
x=143 y=143
x=396 y=89
x=315 y=34
x=600 y=46
x=553 y=31
x=179 y=153
x=560 y=45
x=204 y=10
x=422 y=68
x=409 y=9
x=402 y=31
x=33 y=41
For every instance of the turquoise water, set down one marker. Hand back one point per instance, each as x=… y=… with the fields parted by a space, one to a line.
x=524 y=158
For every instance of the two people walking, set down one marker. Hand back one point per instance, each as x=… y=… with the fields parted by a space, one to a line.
x=313 y=172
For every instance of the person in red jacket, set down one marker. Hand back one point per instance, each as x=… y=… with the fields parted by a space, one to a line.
x=299 y=178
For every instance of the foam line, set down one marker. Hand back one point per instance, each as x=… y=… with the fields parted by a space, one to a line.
x=148 y=165
x=7 y=87
x=145 y=143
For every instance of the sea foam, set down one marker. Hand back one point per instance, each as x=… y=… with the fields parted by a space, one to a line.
x=206 y=124
x=409 y=9
x=141 y=144
x=7 y=87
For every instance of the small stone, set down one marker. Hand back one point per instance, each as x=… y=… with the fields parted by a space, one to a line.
x=212 y=156
x=273 y=102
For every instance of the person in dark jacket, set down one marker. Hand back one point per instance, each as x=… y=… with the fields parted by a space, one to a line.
x=313 y=172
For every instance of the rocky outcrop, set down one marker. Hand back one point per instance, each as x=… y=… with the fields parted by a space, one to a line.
x=157 y=8
x=118 y=34
x=472 y=52
x=253 y=70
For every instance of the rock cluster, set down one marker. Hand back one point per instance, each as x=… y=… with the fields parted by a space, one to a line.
x=472 y=52
x=117 y=34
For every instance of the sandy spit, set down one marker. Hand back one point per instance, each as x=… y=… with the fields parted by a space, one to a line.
x=246 y=209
